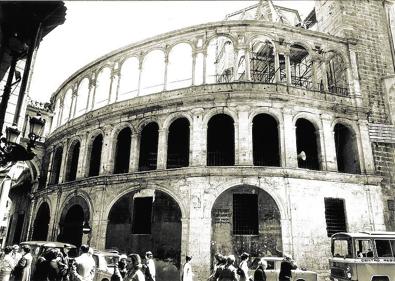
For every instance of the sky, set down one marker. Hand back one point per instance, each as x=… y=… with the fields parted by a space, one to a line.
x=95 y=28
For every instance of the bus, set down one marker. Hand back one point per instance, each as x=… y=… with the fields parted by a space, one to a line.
x=363 y=256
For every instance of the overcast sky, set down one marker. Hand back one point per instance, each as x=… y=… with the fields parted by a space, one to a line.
x=94 y=28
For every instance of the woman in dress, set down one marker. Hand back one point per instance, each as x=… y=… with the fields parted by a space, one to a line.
x=6 y=264
x=187 y=269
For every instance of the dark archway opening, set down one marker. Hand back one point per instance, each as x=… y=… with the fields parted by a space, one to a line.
x=41 y=223
x=306 y=141
x=95 y=159
x=246 y=219
x=178 y=144
x=72 y=166
x=122 y=151
x=148 y=147
x=265 y=141
x=56 y=165
x=71 y=227
x=346 y=150
x=147 y=220
x=220 y=141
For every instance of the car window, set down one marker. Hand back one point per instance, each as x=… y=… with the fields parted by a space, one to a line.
x=111 y=260
x=363 y=248
x=270 y=265
x=96 y=258
x=384 y=248
x=342 y=248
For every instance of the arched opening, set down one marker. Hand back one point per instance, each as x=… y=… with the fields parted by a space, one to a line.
x=301 y=67
x=56 y=165
x=336 y=72
x=265 y=141
x=220 y=141
x=178 y=144
x=346 y=150
x=95 y=156
x=71 y=225
x=153 y=73
x=262 y=62
x=149 y=147
x=41 y=223
x=179 y=69
x=147 y=220
x=220 y=60
x=82 y=98
x=66 y=112
x=72 y=162
x=122 y=151
x=129 y=79
x=246 y=219
x=103 y=82
x=306 y=144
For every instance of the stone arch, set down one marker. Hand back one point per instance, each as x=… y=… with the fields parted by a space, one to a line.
x=129 y=74
x=179 y=67
x=145 y=122
x=137 y=216
x=215 y=35
x=178 y=143
x=301 y=64
x=72 y=159
x=308 y=144
x=239 y=225
x=265 y=110
x=152 y=72
x=262 y=37
x=76 y=210
x=148 y=147
x=224 y=110
x=314 y=119
x=172 y=117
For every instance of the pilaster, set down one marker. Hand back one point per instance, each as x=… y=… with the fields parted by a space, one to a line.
x=199 y=139
x=289 y=133
x=162 y=149
x=329 y=148
x=244 y=135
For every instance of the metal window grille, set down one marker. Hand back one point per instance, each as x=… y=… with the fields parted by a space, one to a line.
x=245 y=214
x=335 y=216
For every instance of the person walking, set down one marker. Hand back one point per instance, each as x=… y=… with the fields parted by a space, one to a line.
x=6 y=264
x=84 y=265
x=22 y=270
x=15 y=254
x=228 y=273
x=187 y=269
x=286 y=268
x=259 y=274
x=218 y=267
x=243 y=267
x=150 y=271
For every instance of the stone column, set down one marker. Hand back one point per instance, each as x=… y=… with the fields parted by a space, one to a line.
x=60 y=116
x=73 y=101
x=106 y=162
x=165 y=74
x=365 y=153
x=314 y=70
x=244 y=135
x=204 y=66
x=141 y=58
x=162 y=149
x=93 y=84
x=329 y=149
x=353 y=77
x=81 y=169
x=235 y=63
x=98 y=222
x=289 y=133
x=63 y=166
x=134 y=153
x=113 y=84
x=194 y=54
x=277 y=73
x=319 y=138
x=198 y=139
x=247 y=58
x=75 y=97
x=288 y=67
x=324 y=77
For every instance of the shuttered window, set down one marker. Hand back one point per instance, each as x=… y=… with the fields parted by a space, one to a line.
x=335 y=216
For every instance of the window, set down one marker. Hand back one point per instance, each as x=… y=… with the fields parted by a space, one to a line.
x=385 y=248
x=363 y=248
x=94 y=166
x=335 y=216
x=342 y=248
x=142 y=211
x=245 y=214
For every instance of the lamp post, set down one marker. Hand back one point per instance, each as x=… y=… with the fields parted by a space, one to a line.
x=12 y=152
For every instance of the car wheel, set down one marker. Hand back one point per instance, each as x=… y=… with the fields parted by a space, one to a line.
x=300 y=280
x=105 y=279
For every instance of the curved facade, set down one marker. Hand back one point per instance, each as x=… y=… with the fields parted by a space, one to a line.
x=221 y=137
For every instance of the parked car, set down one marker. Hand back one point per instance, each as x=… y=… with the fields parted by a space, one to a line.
x=105 y=263
x=273 y=270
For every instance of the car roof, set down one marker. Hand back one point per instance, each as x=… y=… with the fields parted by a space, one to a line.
x=105 y=253
x=53 y=244
x=375 y=234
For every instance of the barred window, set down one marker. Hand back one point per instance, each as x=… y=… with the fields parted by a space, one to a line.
x=335 y=216
x=245 y=214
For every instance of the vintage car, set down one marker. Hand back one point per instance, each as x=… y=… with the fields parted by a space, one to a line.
x=105 y=264
x=273 y=270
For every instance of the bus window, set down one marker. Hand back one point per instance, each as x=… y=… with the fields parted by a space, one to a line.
x=384 y=248
x=342 y=248
x=363 y=248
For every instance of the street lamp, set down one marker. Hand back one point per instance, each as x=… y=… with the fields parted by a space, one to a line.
x=12 y=152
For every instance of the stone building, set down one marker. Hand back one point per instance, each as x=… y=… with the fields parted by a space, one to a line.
x=259 y=133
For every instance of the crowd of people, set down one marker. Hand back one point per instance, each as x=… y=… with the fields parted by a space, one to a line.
x=55 y=265
x=225 y=269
